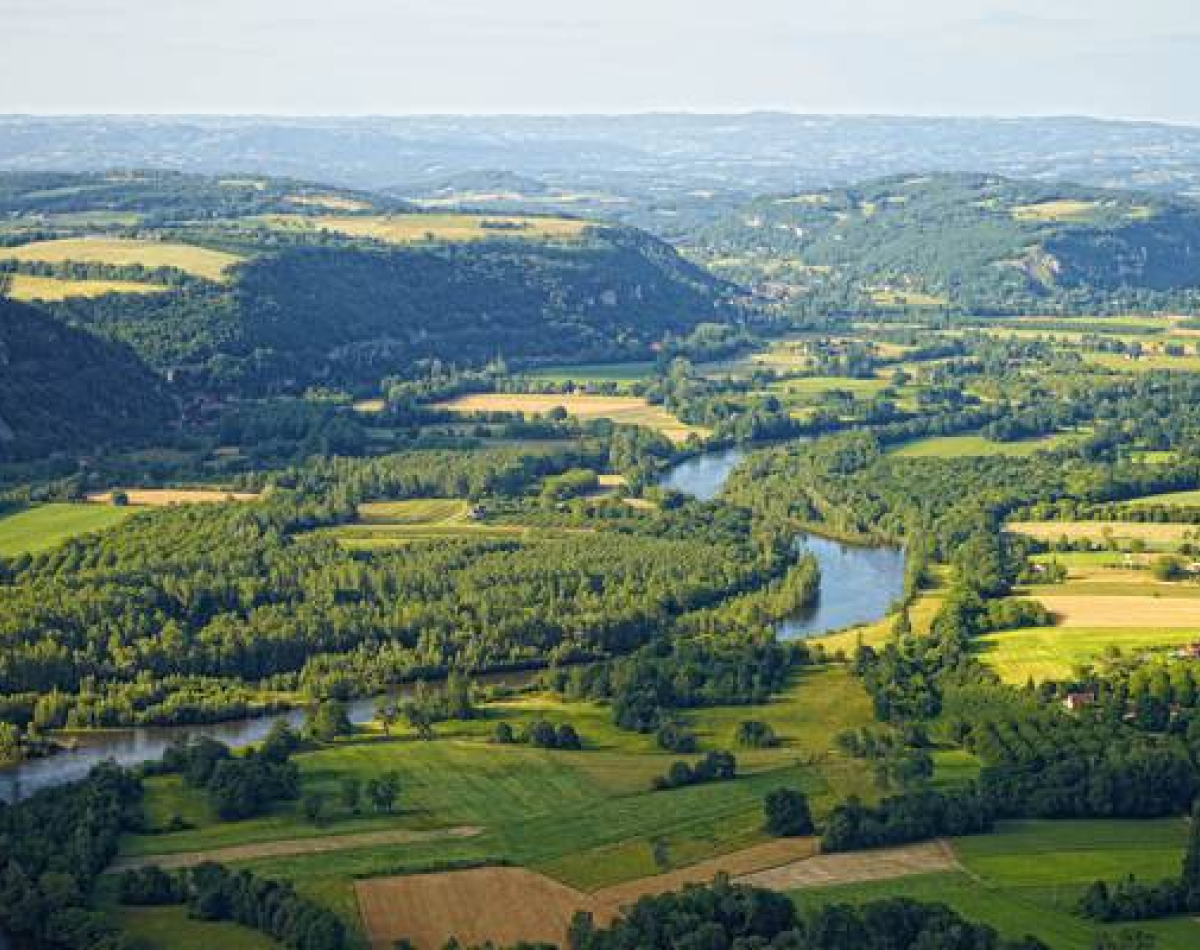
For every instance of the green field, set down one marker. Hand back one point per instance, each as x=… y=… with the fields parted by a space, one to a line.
x=44 y=526
x=1027 y=877
x=585 y=818
x=1052 y=652
x=961 y=446
x=1184 y=498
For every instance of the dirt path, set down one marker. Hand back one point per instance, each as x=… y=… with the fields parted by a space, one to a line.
x=291 y=847
x=854 y=867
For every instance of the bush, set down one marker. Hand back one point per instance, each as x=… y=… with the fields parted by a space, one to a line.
x=787 y=814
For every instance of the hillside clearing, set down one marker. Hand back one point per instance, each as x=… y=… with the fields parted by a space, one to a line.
x=28 y=288
x=163 y=497
x=962 y=446
x=46 y=526
x=1155 y=535
x=419 y=228
x=627 y=410
x=127 y=252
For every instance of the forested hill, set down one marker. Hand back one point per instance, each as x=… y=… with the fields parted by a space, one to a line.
x=63 y=389
x=969 y=241
x=253 y=286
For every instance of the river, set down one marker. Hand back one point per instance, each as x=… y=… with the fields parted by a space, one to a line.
x=142 y=743
x=858 y=583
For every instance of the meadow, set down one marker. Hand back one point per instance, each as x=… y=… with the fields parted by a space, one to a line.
x=1115 y=533
x=1026 y=877
x=29 y=288
x=627 y=410
x=961 y=446
x=124 y=252
x=1183 y=498
x=421 y=228
x=1043 y=653
x=593 y=372
x=45 y=526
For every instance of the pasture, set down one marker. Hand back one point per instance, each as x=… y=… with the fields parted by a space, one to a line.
x=1026 y=877
x=1044 y=653
x=50 y=289
x=593 y=372
x=1185 y=499
x=46 y=526
x=125 y=252
x=963 y=446
x=449 y=228
x=625 y=410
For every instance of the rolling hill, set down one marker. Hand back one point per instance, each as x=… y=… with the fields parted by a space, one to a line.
x=290 y=284
x=969 y=242
x=64 y=389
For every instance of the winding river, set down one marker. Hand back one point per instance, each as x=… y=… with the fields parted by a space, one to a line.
x=858 y=584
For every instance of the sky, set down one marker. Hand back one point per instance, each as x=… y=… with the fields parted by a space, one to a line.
x=1109 y=58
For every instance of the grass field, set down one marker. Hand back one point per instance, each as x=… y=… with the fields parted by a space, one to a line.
x=329 y=202
x=1058 y=209
x=45 y=526
x=585 y=819
x=419 y=228
x=1053 y=652
x=121 y=252
x=628 y=410
x=26 y=287
x=961 y=446
x=1183 y=498
x=388 y=524
x=1155 y=536
x=1143 y=364
x=171 y=927
x=1027 y=876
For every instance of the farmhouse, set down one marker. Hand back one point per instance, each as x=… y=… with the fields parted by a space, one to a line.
x=1077 y=701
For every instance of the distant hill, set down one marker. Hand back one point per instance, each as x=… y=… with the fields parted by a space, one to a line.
x=487 y=183
x=968 y=241
x=62 y=389
x=291 y=284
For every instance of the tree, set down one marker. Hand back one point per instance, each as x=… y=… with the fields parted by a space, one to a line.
x=503 y=734
x=386 y=713
x=352 y=794
x=313 y=807
x=787 y=814
x=327 y=721
x=382 y=792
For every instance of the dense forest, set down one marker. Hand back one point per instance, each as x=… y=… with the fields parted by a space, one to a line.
x=967 y=243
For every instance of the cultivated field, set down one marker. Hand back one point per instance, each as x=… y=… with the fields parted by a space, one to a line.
x=823 y=870
x=124 y=252
x=628 y=410
x=419 y=228
x=1093 y=611
x=502 y=905
x=29 y=288
x=162 y=497
x=46 y=526
x=1044 y=653
x=1120 y=532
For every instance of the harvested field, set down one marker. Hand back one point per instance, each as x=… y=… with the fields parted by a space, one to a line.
x=1123 y=612
x=419 y=228
x=27 y=287
x=502 y=905
x=629 y=410
x=778 y=854
x=509 y=905
x=162 y=497
x=878 y=865
x=296 y=846
x=1153 y=534
x=124 y=252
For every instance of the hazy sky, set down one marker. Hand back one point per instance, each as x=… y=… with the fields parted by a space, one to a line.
x=1097 y=57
